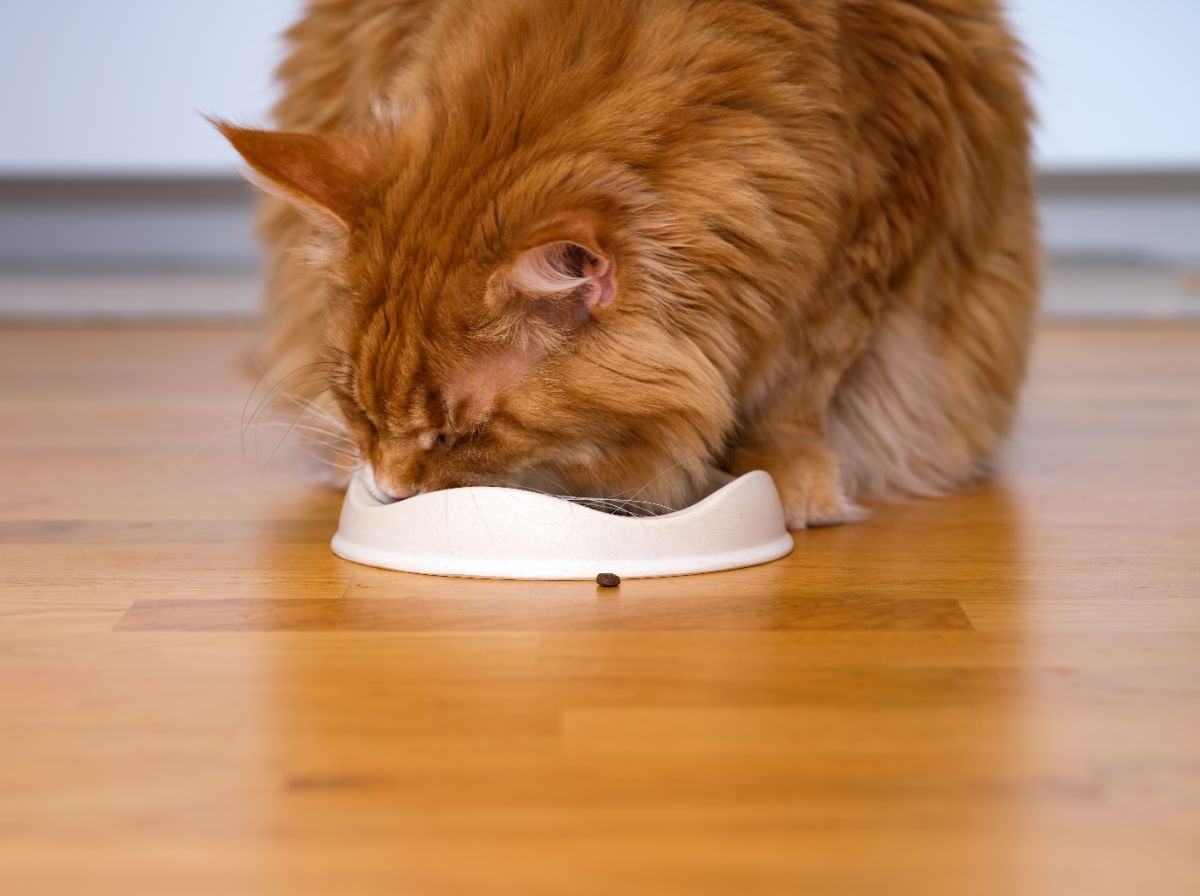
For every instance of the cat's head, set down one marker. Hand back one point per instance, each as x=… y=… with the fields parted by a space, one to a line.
x=521 y=321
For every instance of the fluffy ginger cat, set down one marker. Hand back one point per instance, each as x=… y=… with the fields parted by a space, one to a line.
x=626 y=248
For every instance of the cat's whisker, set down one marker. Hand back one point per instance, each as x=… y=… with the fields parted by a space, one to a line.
x=291 y=426
x=251 y=430
x=283 y=389
x=274 y=377
x=279 y=382
x=333 y=421
x=208 y=443
x=337 y=444
x=614 y=504
x=345 y=468
x=273 y=395
x=313 y=430
x=314 y=424
x=316 y=434
x=675 y=466
x=609 y=505
x=333 y=446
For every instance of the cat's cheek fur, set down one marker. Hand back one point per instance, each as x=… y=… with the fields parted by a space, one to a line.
x=473 y=390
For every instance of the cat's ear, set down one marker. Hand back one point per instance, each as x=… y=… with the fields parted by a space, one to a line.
x=567 y=259
x=563 y=268
x=330 y=174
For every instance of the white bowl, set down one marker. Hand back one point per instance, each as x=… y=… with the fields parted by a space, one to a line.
x=508 y=533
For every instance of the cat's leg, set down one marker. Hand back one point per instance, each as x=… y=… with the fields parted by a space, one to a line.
x=785 y=432
x=927 y=404
x=918 y=410
x=785 y=415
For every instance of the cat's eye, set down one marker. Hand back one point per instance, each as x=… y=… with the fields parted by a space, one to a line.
x=430 y=440
x=364 y=420
x=356 y=415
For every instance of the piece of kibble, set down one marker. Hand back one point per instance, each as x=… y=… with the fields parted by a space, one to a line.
x=608 y=580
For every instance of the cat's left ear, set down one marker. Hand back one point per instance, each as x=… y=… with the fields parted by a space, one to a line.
x=567 y=260
x=329 y=174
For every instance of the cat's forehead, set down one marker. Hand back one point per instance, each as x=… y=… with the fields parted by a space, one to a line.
x=440 y=378
x=400 y=367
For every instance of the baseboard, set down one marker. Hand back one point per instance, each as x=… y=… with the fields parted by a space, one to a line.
x=127 y=224
x=1152 y=218
x=135 y=231
x=113 y=295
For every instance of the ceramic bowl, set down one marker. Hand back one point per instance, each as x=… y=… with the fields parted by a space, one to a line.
x=513 y=534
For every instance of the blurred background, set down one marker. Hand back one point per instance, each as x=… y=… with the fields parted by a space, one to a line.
x=118 y=201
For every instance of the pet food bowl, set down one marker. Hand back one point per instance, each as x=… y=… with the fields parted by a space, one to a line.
x=506 y=533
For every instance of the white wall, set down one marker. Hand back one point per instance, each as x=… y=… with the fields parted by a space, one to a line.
x=114 y=86
x=1117 y=83
x=117 y=86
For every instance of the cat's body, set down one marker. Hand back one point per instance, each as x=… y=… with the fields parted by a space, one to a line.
x=619 y=247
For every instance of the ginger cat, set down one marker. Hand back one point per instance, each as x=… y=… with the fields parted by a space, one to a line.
x=624 y=248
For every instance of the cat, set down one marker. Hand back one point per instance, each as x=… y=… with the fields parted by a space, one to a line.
x=631 y=247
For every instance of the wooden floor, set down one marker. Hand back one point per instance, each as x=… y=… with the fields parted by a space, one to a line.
x=998 y=693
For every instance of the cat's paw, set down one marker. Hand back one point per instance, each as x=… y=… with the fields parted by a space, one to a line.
x=809 y=486
x=809 y=502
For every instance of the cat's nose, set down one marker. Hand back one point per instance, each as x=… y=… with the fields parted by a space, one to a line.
x=401 y=494
x=384 y=490
x=394 y=492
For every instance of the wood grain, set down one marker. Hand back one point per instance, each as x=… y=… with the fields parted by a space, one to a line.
x=539 y=612
x=997 y=693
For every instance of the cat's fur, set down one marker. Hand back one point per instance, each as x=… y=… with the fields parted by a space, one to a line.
x=621 y=247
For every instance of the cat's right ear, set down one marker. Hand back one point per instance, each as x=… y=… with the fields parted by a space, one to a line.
x=567 y=257
x=328 y=174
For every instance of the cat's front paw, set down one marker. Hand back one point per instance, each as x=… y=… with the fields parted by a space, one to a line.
x=809 y=485
x=811 y=501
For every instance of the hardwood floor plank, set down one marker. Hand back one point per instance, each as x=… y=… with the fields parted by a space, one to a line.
x=544 y=609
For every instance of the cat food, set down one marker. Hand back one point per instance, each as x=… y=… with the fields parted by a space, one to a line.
x=608 y=580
